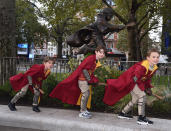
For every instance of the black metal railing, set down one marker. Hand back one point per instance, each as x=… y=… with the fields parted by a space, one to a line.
x=11 y=65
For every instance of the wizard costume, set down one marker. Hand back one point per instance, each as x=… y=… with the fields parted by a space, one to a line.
x=21 y=82
x=68 y=90
x=118 y=88
x=36 y=72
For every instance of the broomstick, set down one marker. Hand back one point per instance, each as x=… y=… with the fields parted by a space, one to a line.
x=102 y=84
x=158 y=97
x=153 y=94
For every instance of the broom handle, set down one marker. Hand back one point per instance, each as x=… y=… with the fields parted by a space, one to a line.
x=155 y=95
x=158 y=97
x=102 y=84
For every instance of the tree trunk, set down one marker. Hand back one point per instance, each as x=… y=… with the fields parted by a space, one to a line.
x=7 y=38
x=133 y=39
x=138 y=48
x=7 y=28
x=59 y=41
x=132 y=44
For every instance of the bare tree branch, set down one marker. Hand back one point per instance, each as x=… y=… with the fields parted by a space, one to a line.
x=142 y=18
x=134 y=6
x=147 y=30
x=147 y=19
x=53 y=36
x=141 y=3
x=65 y=22
x=39 y=11
x=142 y=25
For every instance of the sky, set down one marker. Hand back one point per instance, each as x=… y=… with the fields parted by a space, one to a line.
x=155 y=34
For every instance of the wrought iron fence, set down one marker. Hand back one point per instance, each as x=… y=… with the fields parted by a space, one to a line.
x=7 y=69
x=10 y=66
x=164 y=68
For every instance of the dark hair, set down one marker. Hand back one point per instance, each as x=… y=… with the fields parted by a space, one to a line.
x=99 y=47
x=153 y=50
x=47 y=59
x=107 y=11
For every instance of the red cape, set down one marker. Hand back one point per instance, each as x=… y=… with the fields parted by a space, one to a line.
x=118 y=88
x=68 y=90
x=36 y=72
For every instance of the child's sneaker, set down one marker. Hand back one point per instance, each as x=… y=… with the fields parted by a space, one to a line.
x=144 y=121
x=36 y=109
x=87 y=112
x=84 y=115
x=124 y=116
x=12 y=106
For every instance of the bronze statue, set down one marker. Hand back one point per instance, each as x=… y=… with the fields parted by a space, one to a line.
x=89 y=37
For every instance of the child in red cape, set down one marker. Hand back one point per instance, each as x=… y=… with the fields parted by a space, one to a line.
x=137 y=81
x=78 y=82
x=31 y=79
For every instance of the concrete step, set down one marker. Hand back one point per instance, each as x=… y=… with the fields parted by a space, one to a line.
x=51 y=119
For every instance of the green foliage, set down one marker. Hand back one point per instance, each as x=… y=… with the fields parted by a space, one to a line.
x=122 y=44
x=5 y=93
x=103 y=73
x=6 y=87
x=49 y=84
x=57 y=12
x=146 y=16
x=73 y=64
x=60 y=76
x=97 y=98
x=160 y=109
x=28 y=28
x=161 y=80
x=120 y=104
x=66 y=16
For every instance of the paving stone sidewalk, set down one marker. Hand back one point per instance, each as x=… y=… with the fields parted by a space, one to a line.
x=53 y=119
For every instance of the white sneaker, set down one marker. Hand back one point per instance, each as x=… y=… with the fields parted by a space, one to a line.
x=84 y=115
x=89 y=113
